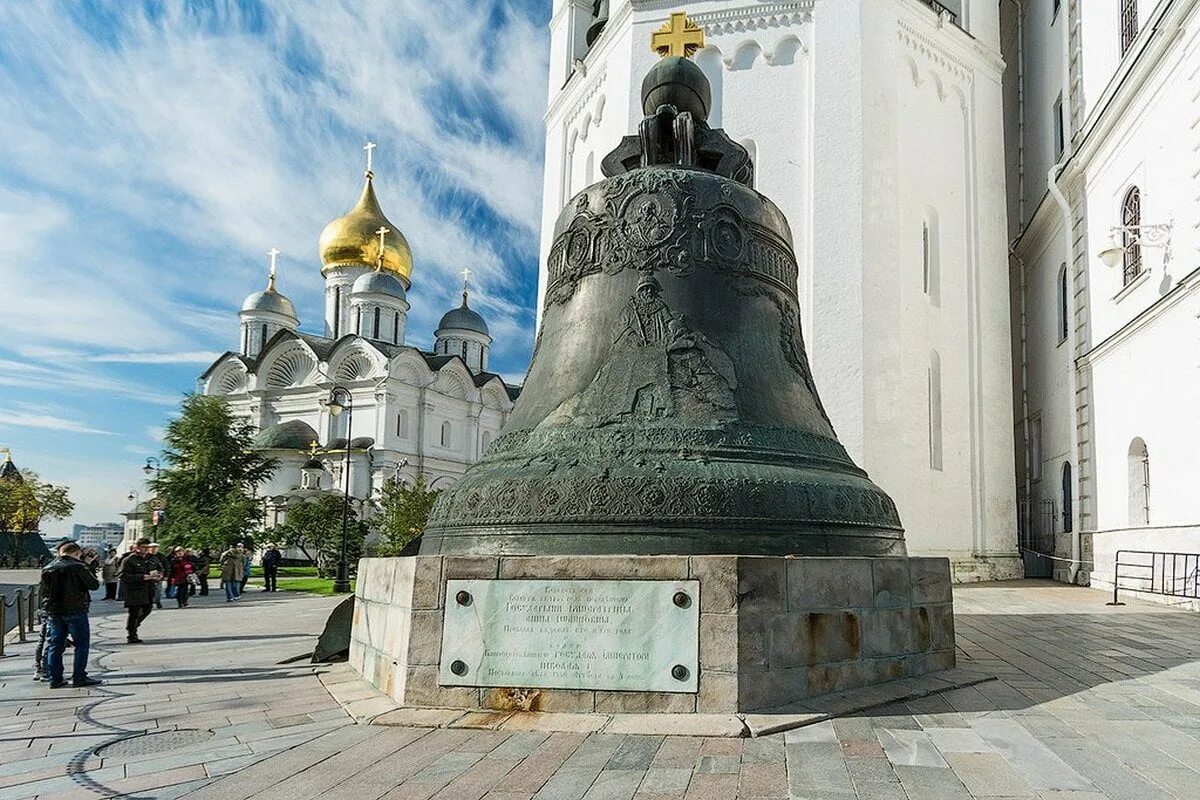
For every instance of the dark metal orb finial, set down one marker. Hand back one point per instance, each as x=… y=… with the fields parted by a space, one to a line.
x=678 y=82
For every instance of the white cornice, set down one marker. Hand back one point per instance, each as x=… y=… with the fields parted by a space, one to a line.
x=1182 y=290
x=746 y=18
x=1130 y=79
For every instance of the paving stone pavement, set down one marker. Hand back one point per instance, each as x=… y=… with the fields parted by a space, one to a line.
x=1090 y=702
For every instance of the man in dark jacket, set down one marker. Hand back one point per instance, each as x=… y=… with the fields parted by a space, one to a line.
x=270 y=565
x=67 y=584
x=203 y=560
x=138 y=576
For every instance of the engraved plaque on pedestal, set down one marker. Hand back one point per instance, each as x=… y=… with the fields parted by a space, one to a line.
x=623 y=635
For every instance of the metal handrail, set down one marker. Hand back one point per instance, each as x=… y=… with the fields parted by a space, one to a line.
x=26 y=602
x=1156 y=574
x=941 y=9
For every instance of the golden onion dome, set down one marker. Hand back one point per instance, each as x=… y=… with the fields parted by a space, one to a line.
x=353 y=239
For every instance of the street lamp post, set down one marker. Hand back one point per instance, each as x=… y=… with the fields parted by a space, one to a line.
x=339 y=401
x=153 y=466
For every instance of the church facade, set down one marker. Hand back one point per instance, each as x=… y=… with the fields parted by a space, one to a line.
x=877 y=127
x=412 y=411
x=1104 y=197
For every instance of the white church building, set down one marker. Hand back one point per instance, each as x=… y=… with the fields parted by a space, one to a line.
x=412 y=411
x=877 y=126
x=1104 y=209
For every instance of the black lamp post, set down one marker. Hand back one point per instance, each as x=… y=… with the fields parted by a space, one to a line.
x=339 y=401
x=153 y=467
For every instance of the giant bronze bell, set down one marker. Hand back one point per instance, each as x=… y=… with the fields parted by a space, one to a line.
x=669 y=407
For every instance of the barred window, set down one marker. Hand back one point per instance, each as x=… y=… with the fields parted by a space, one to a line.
x=1129 y=24
x=1131 y=220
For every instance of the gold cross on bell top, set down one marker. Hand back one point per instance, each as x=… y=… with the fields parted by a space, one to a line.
x=679 y=36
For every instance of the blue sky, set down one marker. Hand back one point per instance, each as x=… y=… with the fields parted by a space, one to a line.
x=151 y=153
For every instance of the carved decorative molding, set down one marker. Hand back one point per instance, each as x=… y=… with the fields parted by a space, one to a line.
x=921 y=45
x=755 y=18
x=586 y=93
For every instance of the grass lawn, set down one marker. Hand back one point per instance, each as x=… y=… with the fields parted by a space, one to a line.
x=313 y=585
x=291 y=579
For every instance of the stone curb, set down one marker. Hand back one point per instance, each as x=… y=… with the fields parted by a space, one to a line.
x=368 y=706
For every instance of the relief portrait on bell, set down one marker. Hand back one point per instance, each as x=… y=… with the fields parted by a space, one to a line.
x=659 y=368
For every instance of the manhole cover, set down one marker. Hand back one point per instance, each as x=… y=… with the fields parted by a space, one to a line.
x=149 y=743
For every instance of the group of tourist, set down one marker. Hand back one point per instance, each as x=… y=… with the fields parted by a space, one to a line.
x=137 y=578
x=184 y=571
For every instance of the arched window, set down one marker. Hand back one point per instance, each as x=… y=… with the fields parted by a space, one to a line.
x=358 y=321
x=464 y=350
x=1129 y=24
x=1063 y=311
x=1139 y=483
x=337 y=311
x=931 y=257
x=935 y=410
x=1131 y=219
x=246 y=339
x=263 y=341
x=396 y=328
x=375 y=335
x=402 y=424
x=445 y=434
x=1068 y=505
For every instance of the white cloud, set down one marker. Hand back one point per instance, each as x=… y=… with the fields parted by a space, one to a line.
x=59 y=376
x=16 y=419
x=189 y=357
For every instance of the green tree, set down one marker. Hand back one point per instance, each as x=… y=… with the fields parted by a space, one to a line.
x=26 y=501
x=210 y=475
x=315 y=528
x=403 y=512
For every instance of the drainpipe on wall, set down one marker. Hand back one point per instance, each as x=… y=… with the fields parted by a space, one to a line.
x=1020 y=262
x=1020 y=112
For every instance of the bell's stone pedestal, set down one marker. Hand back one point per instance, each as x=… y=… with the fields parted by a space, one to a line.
x=772 y=630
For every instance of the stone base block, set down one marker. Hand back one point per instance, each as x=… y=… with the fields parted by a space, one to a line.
x=773 y=630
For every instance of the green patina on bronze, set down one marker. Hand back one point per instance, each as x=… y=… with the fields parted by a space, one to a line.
x=669 y=407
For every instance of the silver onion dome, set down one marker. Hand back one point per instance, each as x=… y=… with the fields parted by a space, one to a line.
x=462 y=319
x=270 y=300
x=378 y=282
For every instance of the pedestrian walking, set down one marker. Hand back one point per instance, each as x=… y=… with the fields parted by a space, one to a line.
x=138 y=575
x=247 y=563
x=180 y=576
x=270 y=567
x=203 y=561
x=232 y=565
x=67 y=584
x=109 y=573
